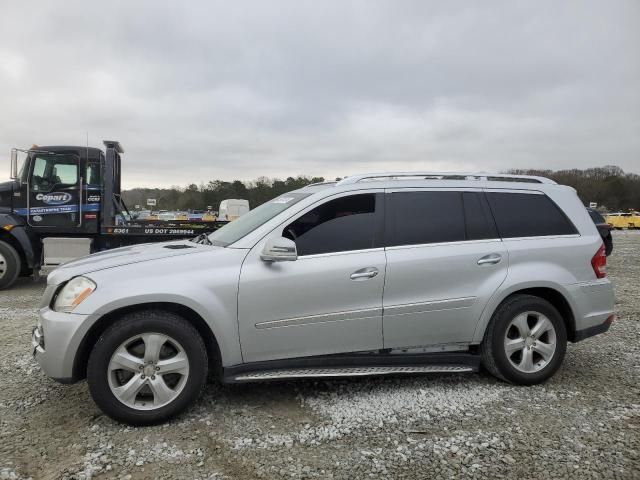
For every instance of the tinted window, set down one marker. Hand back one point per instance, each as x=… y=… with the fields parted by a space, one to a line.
x=478 y=219
x=415 y=218
x=343 y=224
x=528 y=215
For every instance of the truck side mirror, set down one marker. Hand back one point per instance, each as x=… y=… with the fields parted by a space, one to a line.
x=279 y=249
x=14 y=164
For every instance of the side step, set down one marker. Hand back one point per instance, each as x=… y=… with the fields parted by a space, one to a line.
x=279 y=374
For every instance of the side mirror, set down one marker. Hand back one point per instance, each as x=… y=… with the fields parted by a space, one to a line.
x=279 y=249
x=14 y=164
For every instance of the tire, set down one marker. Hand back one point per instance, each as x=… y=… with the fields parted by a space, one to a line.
x=608 y=245
x=131 y=342
x=9 y=265
x=507 y=330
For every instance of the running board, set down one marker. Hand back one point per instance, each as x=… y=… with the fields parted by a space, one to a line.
x=347 y=372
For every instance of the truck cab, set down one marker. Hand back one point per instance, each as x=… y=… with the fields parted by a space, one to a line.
x=64 y=202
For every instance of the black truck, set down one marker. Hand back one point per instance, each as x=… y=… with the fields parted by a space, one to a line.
x=65 y=202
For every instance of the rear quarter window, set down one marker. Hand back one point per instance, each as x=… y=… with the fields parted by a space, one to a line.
x=528 y=215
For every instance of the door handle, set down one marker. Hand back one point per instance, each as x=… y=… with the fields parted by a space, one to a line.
x=490 y=259
x=364 y=273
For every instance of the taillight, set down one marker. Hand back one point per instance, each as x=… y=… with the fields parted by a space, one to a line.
x=599 y=263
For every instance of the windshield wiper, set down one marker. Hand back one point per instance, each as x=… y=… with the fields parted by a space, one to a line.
x=202 y=239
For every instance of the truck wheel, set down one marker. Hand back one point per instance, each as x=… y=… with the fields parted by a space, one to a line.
x=525 y=341
x=9 y=265
x=147 y=367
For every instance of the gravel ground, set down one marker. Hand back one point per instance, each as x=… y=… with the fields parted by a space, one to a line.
x=584 y=423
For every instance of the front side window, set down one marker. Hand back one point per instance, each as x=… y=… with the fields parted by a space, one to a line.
x=344 y=224
x=528 y=215
x=51 y=171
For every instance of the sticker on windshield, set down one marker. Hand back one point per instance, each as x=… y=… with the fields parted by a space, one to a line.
x=283 y=200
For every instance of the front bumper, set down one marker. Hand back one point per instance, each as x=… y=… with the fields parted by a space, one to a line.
x=55 y=341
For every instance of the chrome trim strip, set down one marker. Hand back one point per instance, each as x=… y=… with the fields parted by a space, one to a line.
x=432 y=306
x=445 y=244
x=323 y=318
x=345 y=252
x=542 y=237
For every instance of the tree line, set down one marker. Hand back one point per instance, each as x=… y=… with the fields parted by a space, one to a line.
x=200 y=197
x=610 y=187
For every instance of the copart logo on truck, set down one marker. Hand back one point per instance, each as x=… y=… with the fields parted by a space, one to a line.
x=56 y=198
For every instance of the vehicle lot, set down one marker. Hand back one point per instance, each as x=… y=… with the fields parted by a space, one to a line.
x=584 y=423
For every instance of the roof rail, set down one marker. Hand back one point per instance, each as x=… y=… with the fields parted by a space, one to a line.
x=443 y=176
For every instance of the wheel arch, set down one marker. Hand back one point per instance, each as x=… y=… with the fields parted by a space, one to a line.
x=552 y=294
x=93 y=334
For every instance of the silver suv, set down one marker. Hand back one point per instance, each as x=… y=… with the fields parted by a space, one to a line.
x=376 y=274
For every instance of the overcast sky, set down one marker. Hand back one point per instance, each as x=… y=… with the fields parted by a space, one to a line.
x=204 y=90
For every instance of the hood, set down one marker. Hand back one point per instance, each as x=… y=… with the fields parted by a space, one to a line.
x=6 y=196
x=126 y=256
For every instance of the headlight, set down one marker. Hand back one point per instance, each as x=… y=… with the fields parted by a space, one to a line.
x=73 y=293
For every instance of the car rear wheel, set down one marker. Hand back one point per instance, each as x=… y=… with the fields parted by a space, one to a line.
x=147 y=367
x=9 y=265
x=525 y=341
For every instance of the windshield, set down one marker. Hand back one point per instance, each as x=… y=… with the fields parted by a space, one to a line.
x=247 y=223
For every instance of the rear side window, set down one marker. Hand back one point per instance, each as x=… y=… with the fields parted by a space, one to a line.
x=340 y=225
x=528 y=215
x=414 y=218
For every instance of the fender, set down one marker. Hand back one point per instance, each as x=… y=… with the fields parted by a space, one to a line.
x=14 y=229
x=509 y=289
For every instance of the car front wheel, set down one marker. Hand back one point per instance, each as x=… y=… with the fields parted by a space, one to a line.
x=147 y=367
x=525 y=341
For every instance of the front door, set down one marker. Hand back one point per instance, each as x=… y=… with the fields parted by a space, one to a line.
x=445 y=261
x=327 y=301
x=54 y=191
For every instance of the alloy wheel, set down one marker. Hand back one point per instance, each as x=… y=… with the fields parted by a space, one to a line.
x=530 y=342
x=148 y=371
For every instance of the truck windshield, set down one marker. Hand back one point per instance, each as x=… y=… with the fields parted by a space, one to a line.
x=235 y=230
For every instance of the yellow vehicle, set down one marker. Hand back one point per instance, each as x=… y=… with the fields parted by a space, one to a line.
x=623 y=220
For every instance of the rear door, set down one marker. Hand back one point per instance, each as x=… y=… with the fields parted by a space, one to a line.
x=444 y=261
x=53 y=198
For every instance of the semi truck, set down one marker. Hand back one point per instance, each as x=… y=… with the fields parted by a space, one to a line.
x=65 y=202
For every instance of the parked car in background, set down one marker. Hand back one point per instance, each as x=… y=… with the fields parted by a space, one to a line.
x=604 y=229
x=457 y=273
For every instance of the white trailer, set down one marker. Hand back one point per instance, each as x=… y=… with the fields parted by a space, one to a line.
x=232 y=208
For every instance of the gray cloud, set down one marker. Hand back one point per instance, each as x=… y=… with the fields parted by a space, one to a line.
x=206 y=90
